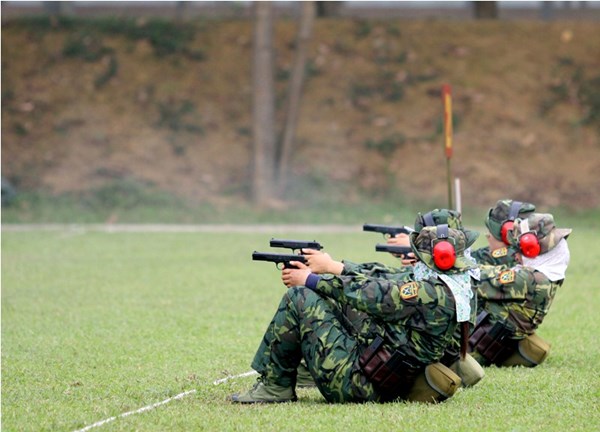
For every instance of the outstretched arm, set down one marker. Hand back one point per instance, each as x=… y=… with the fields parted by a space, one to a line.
x=321 y=262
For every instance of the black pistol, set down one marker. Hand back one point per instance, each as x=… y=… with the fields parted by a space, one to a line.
x=388 y=230
x=281 y=260
x=295 y=245
x=403 y=251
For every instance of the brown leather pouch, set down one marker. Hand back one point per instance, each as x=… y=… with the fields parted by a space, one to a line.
x=373 y=358
x=392 y=374
x=493 y=342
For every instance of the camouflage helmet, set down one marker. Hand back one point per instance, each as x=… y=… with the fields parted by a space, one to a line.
x=542 y=224
x=422 y=244
x=503 y=211
x=444 y=216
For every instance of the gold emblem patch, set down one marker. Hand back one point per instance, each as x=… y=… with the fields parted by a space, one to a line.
x=499 y=253
x=506 y=277
x=409 y=290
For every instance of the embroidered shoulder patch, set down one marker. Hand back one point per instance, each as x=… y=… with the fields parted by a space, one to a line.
x=506 y=277
x=409 y=290
x=499 y=253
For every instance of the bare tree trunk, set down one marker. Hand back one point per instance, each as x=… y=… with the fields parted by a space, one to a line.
x=263 y=105
x=328 y=8
x=546 y=10
x=307 y=18
x=181 y=8
x=485 y=9
x=58 y=8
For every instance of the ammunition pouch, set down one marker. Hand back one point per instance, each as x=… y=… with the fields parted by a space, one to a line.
x=492 y=341
x=530 y=352
x=469 y=370
x=435 y=384
x=392 y=374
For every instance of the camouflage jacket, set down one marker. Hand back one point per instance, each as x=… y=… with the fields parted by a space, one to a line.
x=401 y=274
x=378 y=270
x=519 y=296
x=417 y=318
x=502 y=256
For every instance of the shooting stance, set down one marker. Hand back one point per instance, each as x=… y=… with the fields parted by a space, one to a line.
x=513 y=300
x=465 y=367
x=394 y=354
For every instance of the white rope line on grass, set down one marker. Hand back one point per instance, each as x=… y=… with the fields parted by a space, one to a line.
x=157 y=404
x=227 y=378
x=141 y=410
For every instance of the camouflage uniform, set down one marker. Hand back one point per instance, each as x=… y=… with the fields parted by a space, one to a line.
x=405 y=273
x=518 y=296
x=401 y=274
x=503 y=256
x=454 y=220
x=514 y=300
x=416 y=318
x=377 y=270
x=494 y=220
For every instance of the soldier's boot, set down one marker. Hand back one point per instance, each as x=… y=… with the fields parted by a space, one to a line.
x=530 y=352
x=265 y=392
x=303 y=377
x=469 y=371
x=435 y=384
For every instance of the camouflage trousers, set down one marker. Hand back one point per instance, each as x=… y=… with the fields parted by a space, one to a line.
x=307 y=325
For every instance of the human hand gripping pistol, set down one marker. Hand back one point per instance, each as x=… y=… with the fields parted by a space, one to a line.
x=390 y=231
x=283 y=260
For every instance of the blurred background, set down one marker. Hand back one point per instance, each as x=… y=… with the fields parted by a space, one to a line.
x=188 y=112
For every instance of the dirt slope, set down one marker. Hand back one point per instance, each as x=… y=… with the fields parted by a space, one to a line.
x=370 y=118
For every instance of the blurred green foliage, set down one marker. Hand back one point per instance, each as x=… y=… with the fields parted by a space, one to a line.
x=387 y=145
x=165 y=36
x=173 y=114
x=571 y=85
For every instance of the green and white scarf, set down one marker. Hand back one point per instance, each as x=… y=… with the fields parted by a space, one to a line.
x=459 y=284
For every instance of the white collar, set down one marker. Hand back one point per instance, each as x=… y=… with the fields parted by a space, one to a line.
x=553 y=263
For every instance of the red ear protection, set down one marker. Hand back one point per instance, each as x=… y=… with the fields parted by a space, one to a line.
x=444 y=255
x=509 y=223
x=506 y=227
x=529 y=244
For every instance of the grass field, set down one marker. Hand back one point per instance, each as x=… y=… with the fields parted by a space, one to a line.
x=95 y=325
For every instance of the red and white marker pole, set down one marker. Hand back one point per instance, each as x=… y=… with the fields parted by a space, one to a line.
x=447 y=100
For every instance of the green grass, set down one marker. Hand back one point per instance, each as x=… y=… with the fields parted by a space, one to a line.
x=132 y=202
x=98 y=324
